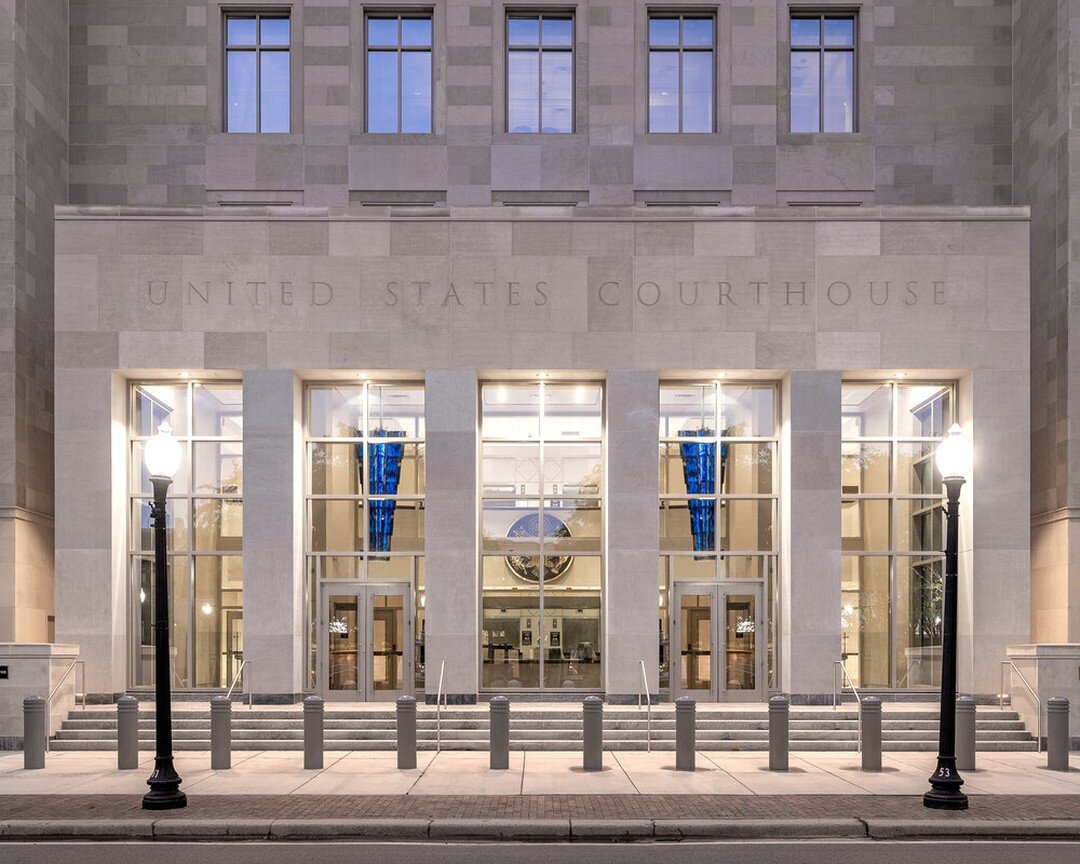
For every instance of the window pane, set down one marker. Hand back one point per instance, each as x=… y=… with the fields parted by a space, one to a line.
x=415 y=91
x=577 y=528
x=804 y=91
x=805 y=31
x=415 y=31
x=747 y=469
x=924 y=411
x=687 y=408
x=864 y=619
x=335 y=469
x=275 y=91
x=219 y=525
x=573 y=411
x=523 y=31
x=511 y=469
x=157 y=403
x=663 y=31
x=920 y=525
x=746 y=410
x=382 y=31
x=839 y=91
x=395 y=411
x=839 y=31
x=219 y=467
x=218 y=624
x=240 y=90
x=864 y=468
x=918 y=622
x=511 y=411
x=511 y=525
x=697 y=31
x=916 y=473
x=179 y=615
x=864 y=525
x=219 y=411
x=523 y=91
x=399 y=523
x=867 y=410
x=336 y=526
x=336 y=412
x=697 y=91
x=557 y=31
x=274 y=31
x=663 y=91
x=240 y=31
x=571 y=635
x=382 y=91
x=176 y=525
x=558 y=79
x=746 y=525
x=572 y=469
x=688 y=525
x=140 y=476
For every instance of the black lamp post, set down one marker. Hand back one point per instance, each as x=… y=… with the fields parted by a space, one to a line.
x=953 y=458
x=162 y=455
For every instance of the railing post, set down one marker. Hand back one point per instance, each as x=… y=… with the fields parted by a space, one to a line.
x=221 y=733
x=313 y=733
x=499 y=733
x=965 y=733
x=592 y=720
x=1057 y=733
x=406 y=732
x=127 y=733
x=685 y=734
x=34 y=719
x=870 y=730
x=778 y=733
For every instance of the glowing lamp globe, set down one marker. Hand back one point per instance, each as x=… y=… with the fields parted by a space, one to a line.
x=954 y=454
x=162 y=453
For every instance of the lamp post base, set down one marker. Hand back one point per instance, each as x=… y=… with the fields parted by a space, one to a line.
x=945 y=791
x=164 y=791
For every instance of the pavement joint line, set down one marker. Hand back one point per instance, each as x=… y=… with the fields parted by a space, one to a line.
x=626 y=774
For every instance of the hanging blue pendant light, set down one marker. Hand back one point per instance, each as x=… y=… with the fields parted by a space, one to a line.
x=699 y=472
x=384 y=475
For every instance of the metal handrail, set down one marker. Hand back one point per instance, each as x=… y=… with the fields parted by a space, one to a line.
x=248 y=690
x=648 y=706
x=438 y=708
x=1034 y=695
x=845 y=677
x=907 y=672
x=56 y=688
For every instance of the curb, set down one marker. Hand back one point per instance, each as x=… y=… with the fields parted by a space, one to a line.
x=532 y=830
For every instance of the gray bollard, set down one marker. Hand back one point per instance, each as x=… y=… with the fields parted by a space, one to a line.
x=592 y=720
x=127 y=733
x=34 y=733
x=406 y=732
x=778 y=733
x=685 y=734
x=499 y=735
x=220 y=733
x=965 y=733
x=1057 y=733
x=313 y=733
x=870 y=733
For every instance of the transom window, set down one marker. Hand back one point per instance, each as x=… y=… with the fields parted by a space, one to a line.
x=682 y=51
x=823 y=73
x=892 y=524
x=399 y=73
x=540 y=72
x=257 y=86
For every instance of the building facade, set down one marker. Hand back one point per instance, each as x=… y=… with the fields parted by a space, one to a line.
x=547 y=349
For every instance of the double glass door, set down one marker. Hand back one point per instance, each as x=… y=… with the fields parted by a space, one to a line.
x=718 y=631
x=365 y=641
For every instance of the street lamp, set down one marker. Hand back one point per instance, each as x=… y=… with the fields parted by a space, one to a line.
x=162 y=455
x=953 y=458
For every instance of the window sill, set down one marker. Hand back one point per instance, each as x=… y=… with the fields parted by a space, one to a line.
x=415 y=138
x=256 y=137
x=809 y=138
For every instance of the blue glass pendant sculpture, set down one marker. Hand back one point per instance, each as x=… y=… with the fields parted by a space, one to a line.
x=699 y=472
x=384 y=475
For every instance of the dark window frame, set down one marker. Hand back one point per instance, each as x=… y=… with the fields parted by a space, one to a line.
x=821 y=49
x=680 y=49
x=257 y=49
x=539 y=49
x=421 y=14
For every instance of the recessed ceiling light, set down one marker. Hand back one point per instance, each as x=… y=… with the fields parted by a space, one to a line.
x=901 y=374
x=362 y=376
x=184 y=375
x=542 y=375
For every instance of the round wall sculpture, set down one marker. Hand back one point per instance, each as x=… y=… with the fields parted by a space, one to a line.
x=527 y=567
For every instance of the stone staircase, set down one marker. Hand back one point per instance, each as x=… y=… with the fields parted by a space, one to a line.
x=532 y=728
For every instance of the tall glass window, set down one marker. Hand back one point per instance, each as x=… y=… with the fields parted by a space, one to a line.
x=682 y=51
x=399 y=73
x=541 y=537
x=257 y=82
x=892 y=521
x=364 y=492
x=540 y=73
x=204 y=532
x=823 y=73
x=719 y=488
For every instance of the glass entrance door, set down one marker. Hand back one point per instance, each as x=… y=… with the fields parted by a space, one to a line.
x=716 y=631
x=365 y=644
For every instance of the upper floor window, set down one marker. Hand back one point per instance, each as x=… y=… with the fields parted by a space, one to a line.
x=399 y=73
x=823 y=73
x=257 y=73
x=682 y=49
x=540 y=73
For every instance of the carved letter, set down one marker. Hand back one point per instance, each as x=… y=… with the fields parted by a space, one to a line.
x=846 y=293
x=600 y=293
x=886 y=298
x=286 y=294
x=230 y=293
x=204 y=294
x=164 y=292
x=724 y=294
x=420 y=286
x=939 y=293
x=788 y=292
x=256 y=292
x=483 y=291
x=542 y=297
x=759 y=286
x=683 y=299
x=514 y=293
x=392 y=300
x=451 y=292
x=641 y=297
x=328 y=297
x=912 y=298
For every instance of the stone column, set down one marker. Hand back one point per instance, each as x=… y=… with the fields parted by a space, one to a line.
x=631 y=603
x=810 y=504
x=274 y=609
x=451 y=583
x=995 y=576
x=91 y=549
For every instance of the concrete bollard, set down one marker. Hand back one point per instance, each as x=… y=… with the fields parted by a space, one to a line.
x=127 y=733
x=313 y=733
x=870 y=733
x=592 y=721
x=220 y=733
x=778 y=733
x=965 y=733
x=406 y=732
x=1057 y=733
x=685 y=734
x=34 y=734
x=499 y=734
